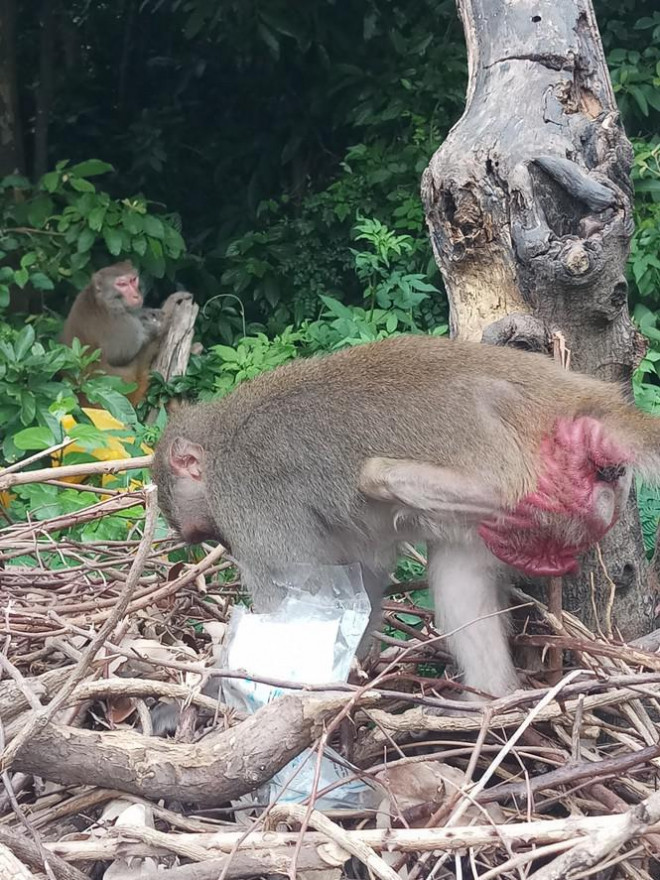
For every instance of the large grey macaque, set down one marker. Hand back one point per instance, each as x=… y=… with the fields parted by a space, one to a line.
x=494 y=456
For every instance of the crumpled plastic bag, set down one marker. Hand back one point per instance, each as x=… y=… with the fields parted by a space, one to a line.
x=311 y=638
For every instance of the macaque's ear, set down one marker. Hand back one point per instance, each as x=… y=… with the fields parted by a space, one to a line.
x=427 y=487
x=186 y=459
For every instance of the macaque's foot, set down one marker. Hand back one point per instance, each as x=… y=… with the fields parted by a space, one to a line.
x=365 y=660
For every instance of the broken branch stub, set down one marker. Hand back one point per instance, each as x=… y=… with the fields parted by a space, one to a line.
x=529 y=207
x=174 y=352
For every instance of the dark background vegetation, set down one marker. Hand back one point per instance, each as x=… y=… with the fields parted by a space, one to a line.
x=265 y=155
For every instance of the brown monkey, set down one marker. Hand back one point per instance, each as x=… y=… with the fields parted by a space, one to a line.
x=494 y=456
x=108 y=315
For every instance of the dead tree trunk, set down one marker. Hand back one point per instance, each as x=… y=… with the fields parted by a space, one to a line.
x=11 y=137
x=529 y=207
x=174 y=353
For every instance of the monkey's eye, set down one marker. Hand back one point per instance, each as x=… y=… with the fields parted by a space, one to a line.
x=611 y=474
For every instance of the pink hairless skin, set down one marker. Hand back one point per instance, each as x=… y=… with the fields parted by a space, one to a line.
x=572 y=507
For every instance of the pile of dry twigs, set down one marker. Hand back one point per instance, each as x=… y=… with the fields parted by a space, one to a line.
x=549 y=783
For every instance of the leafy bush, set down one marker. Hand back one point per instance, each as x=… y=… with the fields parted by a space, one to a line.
x=62 y=228
x=393 y=299
x=644 y=261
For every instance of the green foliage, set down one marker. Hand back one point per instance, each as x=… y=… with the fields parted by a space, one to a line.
x=63 y=227
x=646 y=388
x=39 y=386
x=636 y=75
x=644 y=264
x=392 y=296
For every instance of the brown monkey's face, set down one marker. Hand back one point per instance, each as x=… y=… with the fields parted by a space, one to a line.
x=178 y=471
x=128 y=288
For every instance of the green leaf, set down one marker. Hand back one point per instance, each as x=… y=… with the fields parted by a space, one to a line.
x=41 y=281
x=112 y=240
x=31 y=439
x=95 y=218
x=140 y=245
x=115 y=403
x=28 y=259
x=81 y=185
x=91 y=168
x=87 y=436
x=39 y=210
x=24 y=341
x=15 y=181
x=132 y=222
x=50 y=181
x=226 y=353
x=85 y=240
x=153 y=227
x=28 y=407
x=21 y=277
x=640 y=99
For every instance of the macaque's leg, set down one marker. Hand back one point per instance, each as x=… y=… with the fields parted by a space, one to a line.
x=429 y=487
x=463 y=580
x=374 y=584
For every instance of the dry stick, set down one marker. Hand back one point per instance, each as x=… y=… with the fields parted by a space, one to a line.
x=324 y=740
x=10 y=867
x=355 y=847
x=39 y=720
x=11 y=794
x=66 y=520
x=28 y=852
x=85 y=487
x=444 y=810
x=455 y=839
x=75 y=470
x=19 y=465
x=595 y=846
x=478 y=788
x=569 y=774
x=562 y=356
x=555 y=607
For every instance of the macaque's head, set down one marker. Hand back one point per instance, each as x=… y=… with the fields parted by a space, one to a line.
x=178 y=470
x=118 y=285
x=153 y=321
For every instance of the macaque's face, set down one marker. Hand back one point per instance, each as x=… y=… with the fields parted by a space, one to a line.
x=128 y=288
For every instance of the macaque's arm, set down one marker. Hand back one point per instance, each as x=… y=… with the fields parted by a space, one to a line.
x=122 y=347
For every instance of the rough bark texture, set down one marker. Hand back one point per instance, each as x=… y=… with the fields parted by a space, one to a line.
x=44 y=91
x=528 y=203
x=174 y=353
x=211 y=772
x=11 y=145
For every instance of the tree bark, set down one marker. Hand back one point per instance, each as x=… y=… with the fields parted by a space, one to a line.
x=174 y=353
x=44 y=88
x=11 y=140
x=529 y=207
x=219 y=768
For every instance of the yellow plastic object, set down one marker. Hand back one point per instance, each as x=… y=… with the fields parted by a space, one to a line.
x=110 y=451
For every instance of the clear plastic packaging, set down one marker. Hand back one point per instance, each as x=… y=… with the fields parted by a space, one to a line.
x=311 y=638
